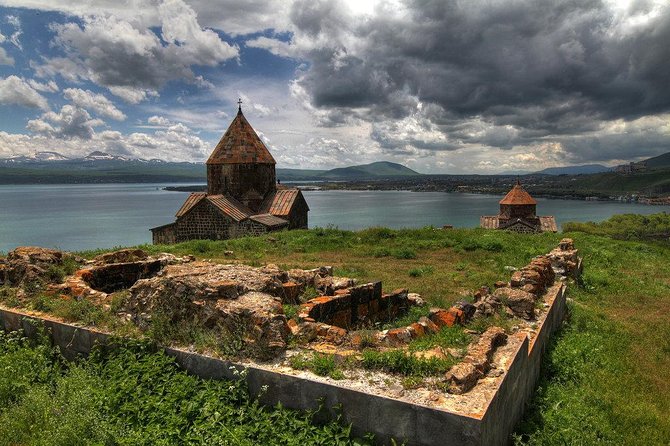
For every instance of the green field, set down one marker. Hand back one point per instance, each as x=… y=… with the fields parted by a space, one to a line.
x=606 y=378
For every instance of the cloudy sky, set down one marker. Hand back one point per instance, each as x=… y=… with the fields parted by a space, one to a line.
x=441 y=86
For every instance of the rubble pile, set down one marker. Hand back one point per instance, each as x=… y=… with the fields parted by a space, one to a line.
x=29 y=265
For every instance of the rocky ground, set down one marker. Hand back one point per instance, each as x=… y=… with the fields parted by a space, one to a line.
x=244 y=307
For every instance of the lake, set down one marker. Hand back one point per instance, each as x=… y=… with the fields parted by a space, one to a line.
x=78 y=217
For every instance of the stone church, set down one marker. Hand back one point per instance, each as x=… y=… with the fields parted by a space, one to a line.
x=242 y=198
x=517 y=213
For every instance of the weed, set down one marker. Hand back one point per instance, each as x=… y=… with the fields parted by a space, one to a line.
x=404 y=253
x=397 y=361
x=318 y=363
x=418 y=272
x=291 y=311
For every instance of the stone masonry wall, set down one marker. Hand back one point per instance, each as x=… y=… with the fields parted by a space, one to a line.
x=356 y=306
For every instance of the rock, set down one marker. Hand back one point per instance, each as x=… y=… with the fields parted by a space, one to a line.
x=480 y=293
x=467 y=308
x=510 y=268
x=500 y=284
x=464 y=376
x=565 y=260
x=292 y=292
x=488 y=305
x=329 y=284
x=522 y=303
x=535 y=277
x=258 y=317
x=460 y=314
x=415 y=299
x=428 y=325
x=397 y=336
x=108 y=276
x=33 y=266
x=332 y=334
x=309 y=277
x=240 y=300
x=120 y=256
x=304 y=332
x=228 y=253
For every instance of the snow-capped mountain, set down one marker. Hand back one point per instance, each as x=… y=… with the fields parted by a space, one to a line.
x=98 y=155
x=37 y=156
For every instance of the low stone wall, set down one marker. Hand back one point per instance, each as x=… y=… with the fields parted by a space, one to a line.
x=388 y=418
x=356 y=306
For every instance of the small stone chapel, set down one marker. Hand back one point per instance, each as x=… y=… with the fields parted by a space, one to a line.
x=518 y=214
x=242 y=198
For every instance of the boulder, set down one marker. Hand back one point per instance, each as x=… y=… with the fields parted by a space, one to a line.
x=120 y=256
x=415 y=299
x=34 y=266
x=522 y=303
x=230 y=299
x=487 y=305
x=460 y=313
x=308 y=277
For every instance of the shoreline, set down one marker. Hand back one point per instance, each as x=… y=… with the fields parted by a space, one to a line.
x=630 y=199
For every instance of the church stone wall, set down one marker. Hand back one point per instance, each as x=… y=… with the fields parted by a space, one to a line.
x=164 y=235
x=238 y=179
x=298 y=216
x=517 y=211
x=205 y=222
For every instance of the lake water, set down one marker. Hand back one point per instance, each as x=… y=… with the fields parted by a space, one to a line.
x=77 y=217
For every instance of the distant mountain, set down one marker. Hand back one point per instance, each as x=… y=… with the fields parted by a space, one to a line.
x=99 y=156
x=298 y=174
x=659 y=161
x=380 y=169
x=36 y=157
x=515 y=172
x=575 y=170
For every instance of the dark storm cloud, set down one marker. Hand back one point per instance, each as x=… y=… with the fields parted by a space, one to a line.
x=548 y=69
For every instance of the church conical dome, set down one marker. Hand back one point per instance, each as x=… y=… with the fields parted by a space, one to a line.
x=240 y=145
x=518 y=196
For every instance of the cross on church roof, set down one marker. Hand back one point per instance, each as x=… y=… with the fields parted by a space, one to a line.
x=239 y=105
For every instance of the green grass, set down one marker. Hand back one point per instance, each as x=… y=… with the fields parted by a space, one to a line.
x=132 y=395
x=628 y=227
x=606 y=378
x=399 y=361
x=319 y=363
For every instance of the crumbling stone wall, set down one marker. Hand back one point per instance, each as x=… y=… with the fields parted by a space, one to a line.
x=356 y=306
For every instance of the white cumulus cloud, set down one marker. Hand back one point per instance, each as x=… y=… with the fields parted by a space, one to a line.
x=16 y=91
x=95 y=102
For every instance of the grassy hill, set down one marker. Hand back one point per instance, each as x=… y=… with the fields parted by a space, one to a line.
x=380 y=169
x=661 y=161
x=652 y=182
